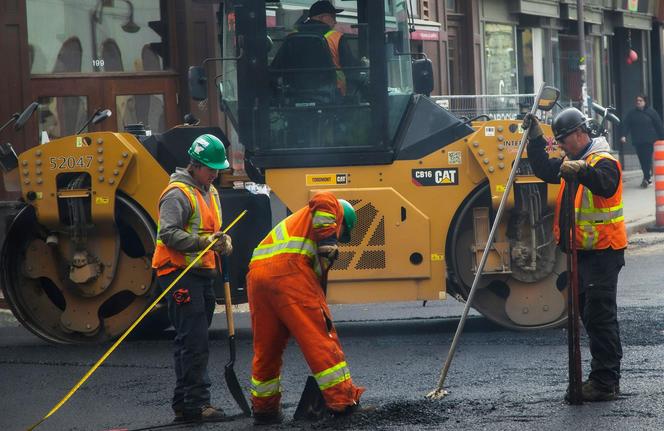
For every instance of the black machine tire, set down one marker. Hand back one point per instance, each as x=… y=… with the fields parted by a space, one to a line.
x=15 y=285
x=493 y=291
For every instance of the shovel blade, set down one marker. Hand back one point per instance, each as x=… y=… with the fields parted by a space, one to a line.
x=312 y=405
x=236 y=390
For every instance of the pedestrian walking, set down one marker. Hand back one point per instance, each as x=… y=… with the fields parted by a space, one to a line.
x=644 y=126
x=285 y=284
x=189 y=220
x=600 y=235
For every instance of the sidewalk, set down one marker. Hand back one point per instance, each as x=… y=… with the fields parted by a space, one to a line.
x=639 y=204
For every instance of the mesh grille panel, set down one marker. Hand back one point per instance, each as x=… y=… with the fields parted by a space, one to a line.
x=365 y=217
x=371 y=259
x=378 y=237
x=343 y=261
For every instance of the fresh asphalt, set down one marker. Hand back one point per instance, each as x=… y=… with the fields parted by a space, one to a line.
x=500 y=379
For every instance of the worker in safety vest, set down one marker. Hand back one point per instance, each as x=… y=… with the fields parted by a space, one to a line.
x=285 y=285
x=321 y=20
x=600 y=236
x=189 y=220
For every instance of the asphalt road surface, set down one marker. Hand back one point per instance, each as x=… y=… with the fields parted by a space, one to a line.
x=499 y=380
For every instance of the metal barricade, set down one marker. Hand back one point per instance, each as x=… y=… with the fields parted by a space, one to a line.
x=496 y=106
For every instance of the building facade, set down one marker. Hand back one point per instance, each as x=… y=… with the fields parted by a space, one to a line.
x=74 y=56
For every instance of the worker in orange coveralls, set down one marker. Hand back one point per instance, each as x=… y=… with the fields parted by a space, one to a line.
x=286 y=297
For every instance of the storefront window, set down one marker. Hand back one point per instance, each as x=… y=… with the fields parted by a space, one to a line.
x=61 y=116
x=500 y=59
x=81 y=36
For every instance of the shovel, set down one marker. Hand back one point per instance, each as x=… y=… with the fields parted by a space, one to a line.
x=229 y=373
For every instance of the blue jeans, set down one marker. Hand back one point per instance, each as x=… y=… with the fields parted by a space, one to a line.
x=191 y=314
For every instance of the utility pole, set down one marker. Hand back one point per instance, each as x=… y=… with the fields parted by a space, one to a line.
x=582 y=57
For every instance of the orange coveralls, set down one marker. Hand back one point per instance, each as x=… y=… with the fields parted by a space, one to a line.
x=286 y=298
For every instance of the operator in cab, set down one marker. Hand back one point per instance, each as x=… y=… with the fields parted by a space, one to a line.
x=286 y=286
x=321 y=20
x=600 y=236
x=189 y=220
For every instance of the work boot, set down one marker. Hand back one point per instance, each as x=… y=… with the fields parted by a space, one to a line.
x=268 y=418
x=179 y=416
x=593 y=391
x=206 y=413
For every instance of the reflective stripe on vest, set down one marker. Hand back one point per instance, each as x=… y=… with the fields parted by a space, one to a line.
x=333 y=37
x=168 y=259
x=282 y=242
x=324 y=219
x=597 y=226
x=333 y=376
x=265 y=389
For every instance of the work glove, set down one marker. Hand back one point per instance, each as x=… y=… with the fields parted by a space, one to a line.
x=570 y=169
x=328 y=254
x=223 y=246
x=531 y=123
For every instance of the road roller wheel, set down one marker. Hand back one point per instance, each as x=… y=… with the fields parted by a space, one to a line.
x=504 y=298
x=36 y=285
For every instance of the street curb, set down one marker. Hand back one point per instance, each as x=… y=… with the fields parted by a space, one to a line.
x=639 y=226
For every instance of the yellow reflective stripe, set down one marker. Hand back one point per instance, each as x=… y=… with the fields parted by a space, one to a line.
x=333 y=376
x=589 y=237
x=193 y=224
x=294 y=245
x=216 y=203
x=280 y=232
x=267 y=388
x=323 y=219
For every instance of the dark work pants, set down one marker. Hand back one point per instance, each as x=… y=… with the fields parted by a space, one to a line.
x=644 y=152
x=598 y=282
x=191 y=321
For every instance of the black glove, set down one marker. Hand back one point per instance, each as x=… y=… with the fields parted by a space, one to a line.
x=531 y=123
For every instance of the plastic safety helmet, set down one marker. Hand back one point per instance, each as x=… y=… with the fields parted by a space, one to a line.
x=567 y=121
x=210 y=151
x=350 y=220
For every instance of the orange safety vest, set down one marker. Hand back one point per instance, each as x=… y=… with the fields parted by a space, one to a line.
x=204 y=220
x=600 y=223
x=297 y=235
x=333 y=37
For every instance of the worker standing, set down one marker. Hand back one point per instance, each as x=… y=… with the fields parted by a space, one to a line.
x=189 y=220
x=600 y=235
x=286 y=297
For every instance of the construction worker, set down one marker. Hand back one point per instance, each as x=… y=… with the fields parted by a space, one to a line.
x=286 y=285
x=189 y=220
x=321 y=21
x=600 y=236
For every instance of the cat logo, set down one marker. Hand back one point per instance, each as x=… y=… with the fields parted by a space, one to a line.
x=327 y=179
x=435 y=177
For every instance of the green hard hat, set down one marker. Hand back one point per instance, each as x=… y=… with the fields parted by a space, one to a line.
x=350 y=220
x=209 y=150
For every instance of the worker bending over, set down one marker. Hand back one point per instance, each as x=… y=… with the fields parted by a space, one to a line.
x=285 y=283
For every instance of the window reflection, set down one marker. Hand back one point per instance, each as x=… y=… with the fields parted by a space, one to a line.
x=61 y=116
x=72 y=36
x=141 y=108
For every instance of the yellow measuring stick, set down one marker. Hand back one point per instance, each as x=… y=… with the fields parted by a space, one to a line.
x=131 y=328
